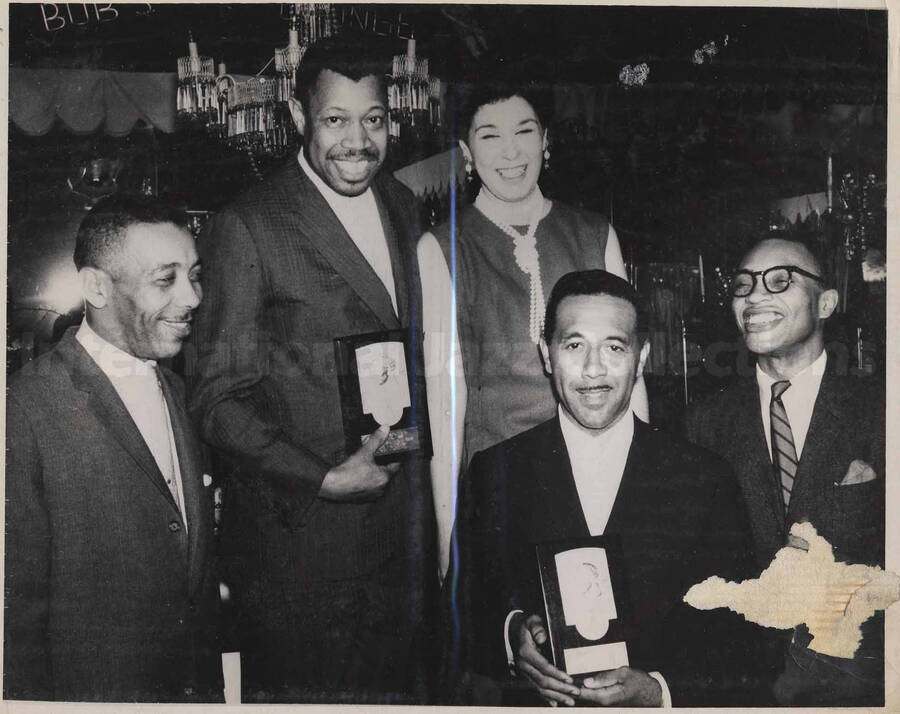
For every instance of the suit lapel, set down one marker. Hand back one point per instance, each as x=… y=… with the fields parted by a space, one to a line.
x=825 y=429
x=753 y=463
x=321 y=227
x=104 y=402
x=555 y=496
x=630 y=504
x=190 y=465
x=394 y=234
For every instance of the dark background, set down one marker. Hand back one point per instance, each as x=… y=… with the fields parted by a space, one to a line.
x=695 y=145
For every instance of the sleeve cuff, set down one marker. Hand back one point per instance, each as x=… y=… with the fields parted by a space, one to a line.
x=666 y=695
x=510 y=659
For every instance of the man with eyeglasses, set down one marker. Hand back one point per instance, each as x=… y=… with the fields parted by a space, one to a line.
x=807 y=444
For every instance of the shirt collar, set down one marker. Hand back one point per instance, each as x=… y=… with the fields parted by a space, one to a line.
x=330 y=195
x=581 y=440
x=808 y=378
x=112 y=361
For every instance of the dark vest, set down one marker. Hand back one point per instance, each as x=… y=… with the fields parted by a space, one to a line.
x=508 y=391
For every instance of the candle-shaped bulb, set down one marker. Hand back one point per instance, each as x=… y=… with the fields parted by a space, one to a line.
x=192 y=46
x=293 y=37
x=702 y=283
x=411 y=47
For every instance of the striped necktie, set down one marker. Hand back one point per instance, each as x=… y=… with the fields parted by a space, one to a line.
x=784 y=455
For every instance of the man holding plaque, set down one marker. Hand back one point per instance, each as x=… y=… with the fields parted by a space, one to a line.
x=630 y=518
x=328 y=549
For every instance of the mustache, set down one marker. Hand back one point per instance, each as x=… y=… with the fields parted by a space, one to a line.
x=356 y=155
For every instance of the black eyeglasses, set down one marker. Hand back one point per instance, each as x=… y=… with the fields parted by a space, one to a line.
x=776 y=279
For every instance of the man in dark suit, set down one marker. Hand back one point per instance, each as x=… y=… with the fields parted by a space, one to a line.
x=597 y=470
x=110 y=589
x=329 y=555
x=806 y=444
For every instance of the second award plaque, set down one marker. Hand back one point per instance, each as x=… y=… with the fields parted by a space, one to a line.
x=379 y=387
x=587 y=604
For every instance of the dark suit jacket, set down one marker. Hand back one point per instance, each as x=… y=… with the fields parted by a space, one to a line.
x=282 y=279
x=680 y=518
x=107 y=597
x=847 y=424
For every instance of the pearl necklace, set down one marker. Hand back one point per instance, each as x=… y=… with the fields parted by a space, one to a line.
x=527 y=258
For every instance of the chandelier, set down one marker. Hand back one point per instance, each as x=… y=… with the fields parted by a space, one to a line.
x=253 y=114
x=308 y=23
x=414 y=98
x=196 y=94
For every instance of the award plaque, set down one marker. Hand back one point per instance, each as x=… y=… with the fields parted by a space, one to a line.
x=378 y=387
x=586 y=602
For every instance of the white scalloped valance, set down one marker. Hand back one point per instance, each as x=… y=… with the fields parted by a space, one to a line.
x=83 y=100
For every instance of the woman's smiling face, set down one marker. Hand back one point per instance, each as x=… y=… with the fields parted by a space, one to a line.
x=506 y=145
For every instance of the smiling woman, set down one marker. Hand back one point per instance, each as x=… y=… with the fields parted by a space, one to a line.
x=505 y=145
x=504 y=253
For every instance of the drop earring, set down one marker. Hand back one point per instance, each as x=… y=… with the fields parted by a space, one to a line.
x=546 y=159
x=469 y=176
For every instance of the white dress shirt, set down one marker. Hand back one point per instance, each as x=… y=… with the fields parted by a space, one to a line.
x=598 y=464
x=360 y=218
x=137 y=384
x=597 y=488
x=799 y=400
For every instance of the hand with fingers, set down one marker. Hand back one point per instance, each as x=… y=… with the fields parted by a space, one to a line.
x=359 y=478
x=529 y=635
x=623 y=687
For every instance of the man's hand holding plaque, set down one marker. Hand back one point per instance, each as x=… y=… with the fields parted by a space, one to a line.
x=624 y=686
x=379 y=387
x=579 y=653
x=528 y=636
x=359 y=478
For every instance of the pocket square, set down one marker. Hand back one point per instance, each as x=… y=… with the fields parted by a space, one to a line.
x=858 y=472
x=207 y=480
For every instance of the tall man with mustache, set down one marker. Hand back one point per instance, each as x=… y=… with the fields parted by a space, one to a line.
x=807 y=444
x=329 y=556
x=111 y=593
